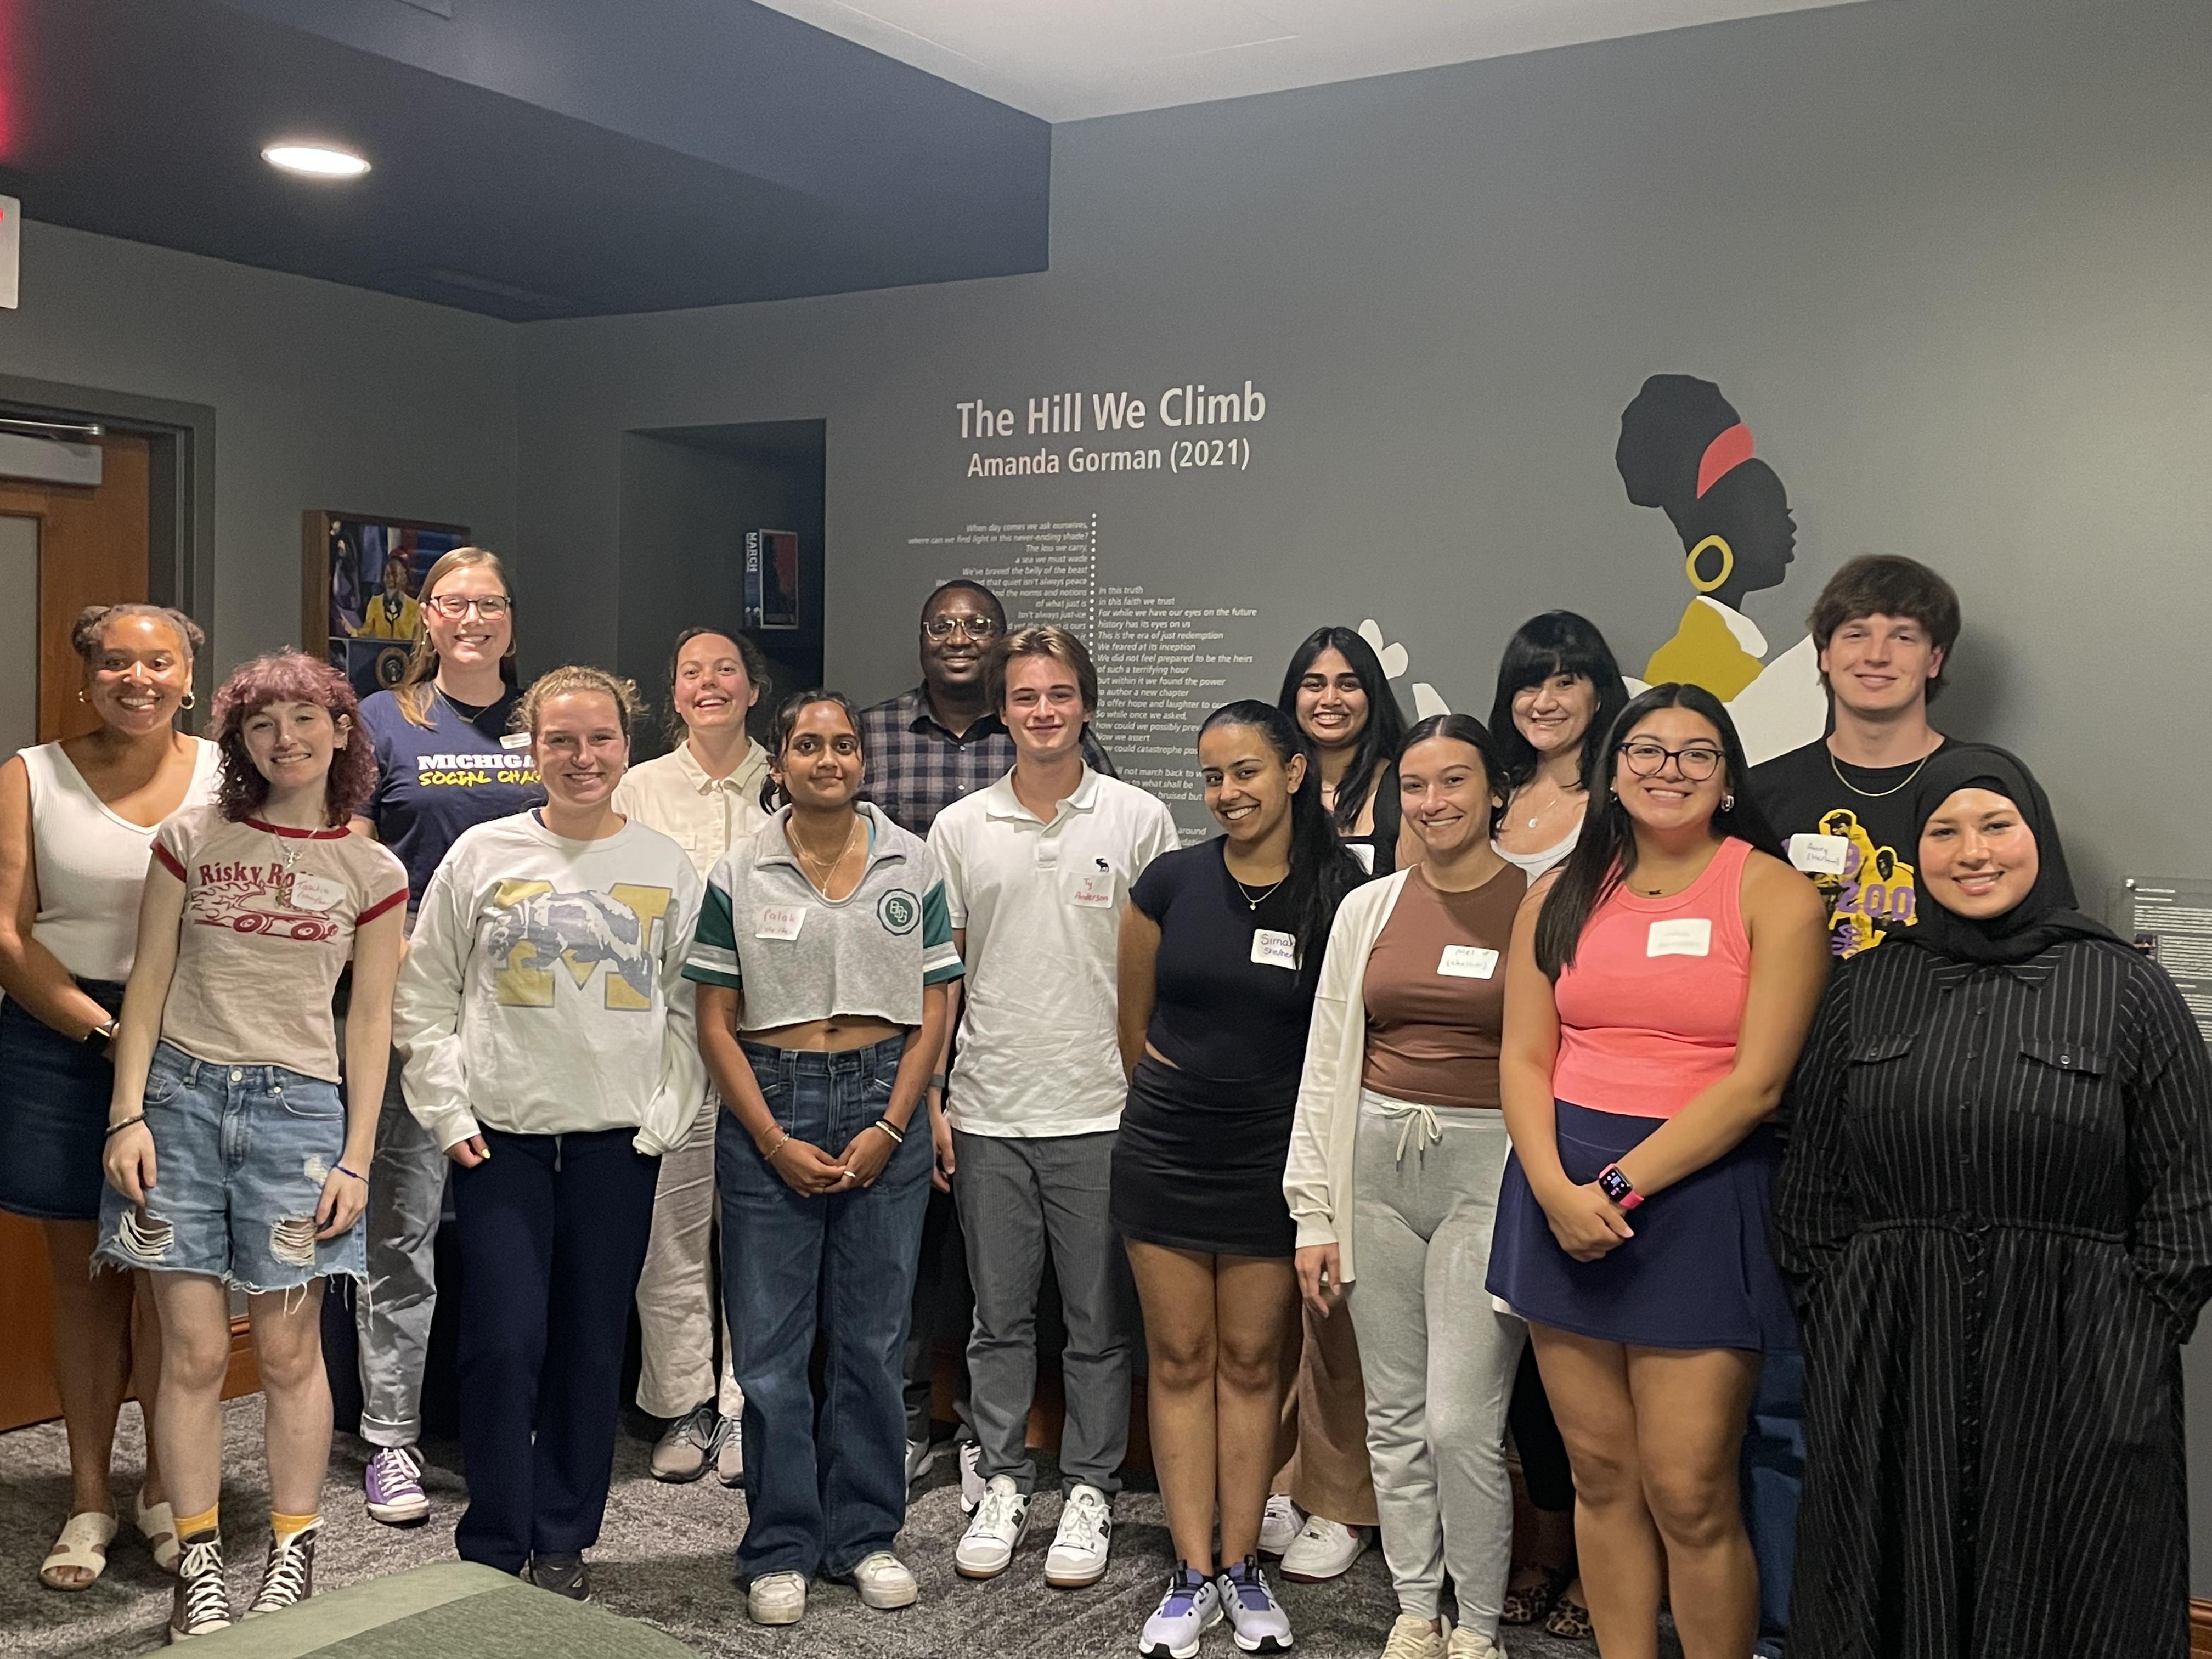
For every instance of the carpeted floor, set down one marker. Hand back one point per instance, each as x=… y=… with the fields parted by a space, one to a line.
x=664 y=1557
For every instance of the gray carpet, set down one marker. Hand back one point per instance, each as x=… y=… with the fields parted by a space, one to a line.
x=664 y=1557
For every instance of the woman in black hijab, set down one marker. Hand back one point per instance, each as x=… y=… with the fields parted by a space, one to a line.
x=1996 y=1210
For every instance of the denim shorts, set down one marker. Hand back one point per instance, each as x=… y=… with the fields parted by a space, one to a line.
x=240 y=1154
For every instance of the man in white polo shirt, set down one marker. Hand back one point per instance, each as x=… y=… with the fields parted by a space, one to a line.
x=1037 y=868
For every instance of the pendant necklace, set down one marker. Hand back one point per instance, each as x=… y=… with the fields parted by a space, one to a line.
x=830 y=868
x=1254 y=903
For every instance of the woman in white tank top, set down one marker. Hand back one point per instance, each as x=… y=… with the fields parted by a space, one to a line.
x=77 y=819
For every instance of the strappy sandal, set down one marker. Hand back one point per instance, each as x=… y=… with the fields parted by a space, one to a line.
x=1571 y=1619
x=82 y=1547
x=1525 y=1604
x=157 y=1525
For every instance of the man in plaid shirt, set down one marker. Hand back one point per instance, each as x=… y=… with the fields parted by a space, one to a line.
x=924 y=750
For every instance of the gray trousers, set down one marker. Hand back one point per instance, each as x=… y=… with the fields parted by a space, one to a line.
x=1016 y=1197
x=394 y=1304
x=1438 y=1357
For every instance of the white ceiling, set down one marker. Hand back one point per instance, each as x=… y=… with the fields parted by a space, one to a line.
x=1067 y=60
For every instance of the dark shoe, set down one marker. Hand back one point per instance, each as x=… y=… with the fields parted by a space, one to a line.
x=201 y=1605
x=1527 y=1603
x=290 y=1576
x=564 y=1575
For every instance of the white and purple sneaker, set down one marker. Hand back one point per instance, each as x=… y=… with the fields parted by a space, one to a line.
x=1190 y=1608
x=392 y=1488
x=1256 y=1619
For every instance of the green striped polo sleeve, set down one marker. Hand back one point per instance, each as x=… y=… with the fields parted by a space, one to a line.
x=713 y=959
x=939 y=961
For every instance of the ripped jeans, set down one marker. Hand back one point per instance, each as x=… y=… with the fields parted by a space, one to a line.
x=240 y=1154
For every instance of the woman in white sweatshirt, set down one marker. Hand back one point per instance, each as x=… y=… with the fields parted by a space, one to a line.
x=548 y=1034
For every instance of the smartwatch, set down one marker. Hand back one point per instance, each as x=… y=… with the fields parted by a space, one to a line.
x=1618 y=1187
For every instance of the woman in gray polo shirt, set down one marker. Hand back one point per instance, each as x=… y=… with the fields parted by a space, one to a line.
x=822 y=953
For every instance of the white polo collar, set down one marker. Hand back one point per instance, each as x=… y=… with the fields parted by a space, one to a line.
x=747 y=776
x=999 y=800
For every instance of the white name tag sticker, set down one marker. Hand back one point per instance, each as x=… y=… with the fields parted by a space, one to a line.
x=781 y=922
x=1273 y=949
x=514 y=740
x=1819 y=855
x=1684 y=936
x=1091 y=890
x=1468 y=961
x=1362 y=851
x=316 y=893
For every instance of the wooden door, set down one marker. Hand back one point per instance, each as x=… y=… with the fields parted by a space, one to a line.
x=92 y=550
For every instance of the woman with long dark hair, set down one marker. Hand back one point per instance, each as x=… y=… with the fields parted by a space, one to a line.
x=1220 y=949
x=1995 y=1211
x=1337 y=692
x=1560 y=691
x=1399 y=1141
x=1656 y=1001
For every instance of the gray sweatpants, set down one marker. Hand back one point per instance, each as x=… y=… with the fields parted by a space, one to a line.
x=1016 y=1196
x=1438 y=1357
x=394 y=1304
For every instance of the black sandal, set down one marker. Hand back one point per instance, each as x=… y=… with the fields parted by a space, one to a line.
x=1571 y=1619
x=1529 y=1602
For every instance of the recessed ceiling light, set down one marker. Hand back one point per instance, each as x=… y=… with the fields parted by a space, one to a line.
x=316 y=160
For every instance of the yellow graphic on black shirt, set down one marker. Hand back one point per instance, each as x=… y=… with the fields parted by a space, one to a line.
x=537 y=927
x=1874 y=894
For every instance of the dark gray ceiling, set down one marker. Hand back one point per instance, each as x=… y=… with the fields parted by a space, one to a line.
x=532 y=158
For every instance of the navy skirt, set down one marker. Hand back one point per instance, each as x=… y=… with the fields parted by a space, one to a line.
x=1698 y=1273
x=54 y=1096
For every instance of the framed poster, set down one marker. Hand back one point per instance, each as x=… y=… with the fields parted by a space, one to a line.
x=771 y=579
x=360 y=579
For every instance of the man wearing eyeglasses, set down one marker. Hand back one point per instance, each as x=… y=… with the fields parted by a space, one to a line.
x=924 y=750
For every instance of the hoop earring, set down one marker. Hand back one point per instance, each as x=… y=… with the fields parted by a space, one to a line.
x=191 y=700
x=1728 y=803
x=1726 y=569
x=81 y=695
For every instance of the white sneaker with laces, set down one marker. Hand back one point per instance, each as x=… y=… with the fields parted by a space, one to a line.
x=1085 y=1538
x=884 y=1581
x=987 y=1550
x=971 y=1475
x=777 y=1598
x=1414 y=1639
x=1279 y=1524
x=1468 y=1643
x=1323 y=1550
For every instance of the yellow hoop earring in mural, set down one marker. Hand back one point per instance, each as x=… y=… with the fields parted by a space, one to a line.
x=1726 y=569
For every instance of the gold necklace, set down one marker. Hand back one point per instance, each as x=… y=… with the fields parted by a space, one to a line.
x=829 y=868
x=1876 y=794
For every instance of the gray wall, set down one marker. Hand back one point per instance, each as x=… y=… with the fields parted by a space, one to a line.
x=1947 y=258
x=324 y=397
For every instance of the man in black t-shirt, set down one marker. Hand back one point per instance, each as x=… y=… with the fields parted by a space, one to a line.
x=1884 y=627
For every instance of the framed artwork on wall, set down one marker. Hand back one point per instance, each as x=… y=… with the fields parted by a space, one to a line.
x=360 y=579
x=771 y=579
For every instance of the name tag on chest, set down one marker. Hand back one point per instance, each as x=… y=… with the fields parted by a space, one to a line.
x=1819 y=855
x=1273 y=949
x=1090 y=890
x=1468 y=961
x=1682 y=936
x=781 y=922
x=316 y=893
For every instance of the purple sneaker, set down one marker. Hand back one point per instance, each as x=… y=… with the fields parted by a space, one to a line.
x=392 y=1488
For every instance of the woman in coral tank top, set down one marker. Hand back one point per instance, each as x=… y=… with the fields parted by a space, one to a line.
x=1659 y=988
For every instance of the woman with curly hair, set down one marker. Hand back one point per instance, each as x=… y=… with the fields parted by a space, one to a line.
x=232 y=1162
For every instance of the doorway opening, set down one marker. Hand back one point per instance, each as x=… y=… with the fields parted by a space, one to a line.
x=691 y=498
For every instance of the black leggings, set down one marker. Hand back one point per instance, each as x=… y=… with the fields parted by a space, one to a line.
x=1544 y=1465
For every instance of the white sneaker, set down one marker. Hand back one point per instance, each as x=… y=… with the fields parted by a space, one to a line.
x=1323 y=1550
x=1080 y=1548
x=920 y=1454
x=1466 y=1643
x=1414 y=1639
x=884 y=1581
x=777 y=1598
x=971 y=1475
x=1000 y=1519
x=1279 y=1524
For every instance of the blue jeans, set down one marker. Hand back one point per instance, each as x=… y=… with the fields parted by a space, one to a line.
x=1773 y=1477
x=845 y=1263
x=240 y=1155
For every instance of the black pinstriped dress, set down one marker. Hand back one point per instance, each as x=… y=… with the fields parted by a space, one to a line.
x=1995 y=1207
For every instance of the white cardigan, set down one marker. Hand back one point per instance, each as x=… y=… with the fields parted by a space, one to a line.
x=1317 y=1177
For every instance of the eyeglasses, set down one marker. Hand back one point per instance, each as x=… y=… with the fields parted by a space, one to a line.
x=976 y=628
x=491 y=607
x=1696 y=763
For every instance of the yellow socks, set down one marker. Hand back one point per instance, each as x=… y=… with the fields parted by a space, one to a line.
x=192 y=1526
x=288 y=1527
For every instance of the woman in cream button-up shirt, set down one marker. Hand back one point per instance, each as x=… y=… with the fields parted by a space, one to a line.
x=704 y=794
